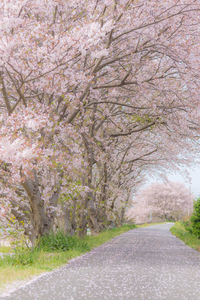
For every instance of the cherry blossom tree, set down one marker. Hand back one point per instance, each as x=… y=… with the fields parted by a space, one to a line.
x=93 y=94
x=162 y=201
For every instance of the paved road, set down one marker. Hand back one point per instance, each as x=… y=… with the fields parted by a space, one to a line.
x=142 y=264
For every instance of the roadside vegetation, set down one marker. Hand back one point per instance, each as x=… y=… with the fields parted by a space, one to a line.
x=189 y=230
x=181 y=232
x=51 y=252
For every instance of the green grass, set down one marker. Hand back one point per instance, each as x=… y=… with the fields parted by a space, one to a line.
x=188 y=238
x=5 y=249
x=101 y=238
x=61 y=242
x=26 y=263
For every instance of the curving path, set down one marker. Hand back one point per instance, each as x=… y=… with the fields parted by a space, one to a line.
x=142 y=264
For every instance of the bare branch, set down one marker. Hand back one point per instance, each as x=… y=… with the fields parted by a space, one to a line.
x=133 y=131
x=140 y=157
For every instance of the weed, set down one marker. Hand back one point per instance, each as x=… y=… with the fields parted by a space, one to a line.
x=61 y=242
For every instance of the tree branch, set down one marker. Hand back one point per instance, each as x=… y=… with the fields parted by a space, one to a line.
x=132 y=131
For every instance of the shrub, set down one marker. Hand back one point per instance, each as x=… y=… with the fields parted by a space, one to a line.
x=195 y=219
x=187 y=224
x=61 y=242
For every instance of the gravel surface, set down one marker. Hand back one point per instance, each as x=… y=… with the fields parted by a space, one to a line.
x=142 y=264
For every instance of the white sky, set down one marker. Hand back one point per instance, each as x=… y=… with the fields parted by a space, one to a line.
x=193 y=184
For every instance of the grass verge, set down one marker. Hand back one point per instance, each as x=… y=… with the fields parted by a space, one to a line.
x=188 y=238
x=26 y=264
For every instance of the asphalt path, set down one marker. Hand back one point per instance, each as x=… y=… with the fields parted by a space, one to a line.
x=142 y=264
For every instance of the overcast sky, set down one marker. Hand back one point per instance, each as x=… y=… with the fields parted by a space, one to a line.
x=193 y=185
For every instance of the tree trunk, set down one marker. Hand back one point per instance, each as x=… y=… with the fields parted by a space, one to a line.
x=123 y=210
x=40 y=224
